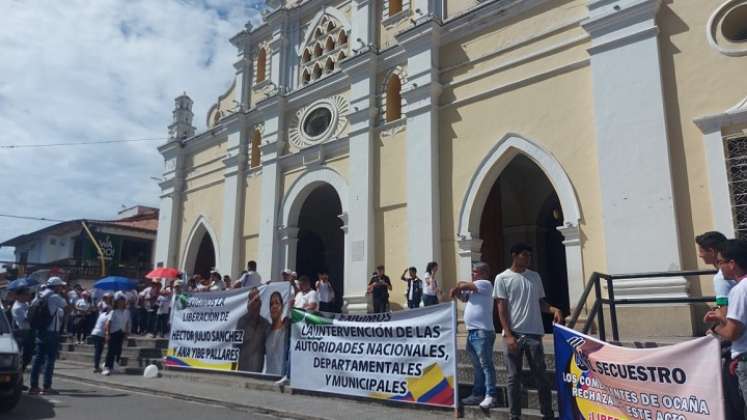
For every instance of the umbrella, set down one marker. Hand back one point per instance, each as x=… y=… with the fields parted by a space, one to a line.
x=163 y=273
x=23 y=282
x=115 y=283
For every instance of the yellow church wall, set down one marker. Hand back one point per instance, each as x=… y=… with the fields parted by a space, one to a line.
x=539 y=112
x=205 y=202
x=388 y=27
x=698 y=80
x=252 y=197
x=390 y=200
x=226 y=105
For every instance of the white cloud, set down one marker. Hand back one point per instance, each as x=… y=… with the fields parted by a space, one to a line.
x=98 y=70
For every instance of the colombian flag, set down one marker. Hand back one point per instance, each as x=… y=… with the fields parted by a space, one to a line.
x=431 y=388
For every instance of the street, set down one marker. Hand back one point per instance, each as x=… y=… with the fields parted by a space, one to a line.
x=78 y=401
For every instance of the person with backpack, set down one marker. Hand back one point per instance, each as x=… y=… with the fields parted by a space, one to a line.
x=46 y=315
x=24 y=333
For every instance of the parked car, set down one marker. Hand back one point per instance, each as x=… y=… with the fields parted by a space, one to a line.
x=11 y=377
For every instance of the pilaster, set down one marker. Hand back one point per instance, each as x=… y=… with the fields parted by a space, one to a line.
x=420 y=95
x=172 y=197
x=235 y=165
x=640 y=226
x=359 y=221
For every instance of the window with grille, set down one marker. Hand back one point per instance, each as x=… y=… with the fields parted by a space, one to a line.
x=736 y=166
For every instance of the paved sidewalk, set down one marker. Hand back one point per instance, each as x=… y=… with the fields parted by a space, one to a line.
x=197 y=387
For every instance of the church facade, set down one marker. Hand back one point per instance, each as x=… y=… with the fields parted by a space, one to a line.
x=605 y=133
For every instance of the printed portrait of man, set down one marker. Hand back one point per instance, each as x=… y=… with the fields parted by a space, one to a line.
x=256 y=328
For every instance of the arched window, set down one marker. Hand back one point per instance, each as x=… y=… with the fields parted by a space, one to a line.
x=329 y=65
x=216 y=117
x=330 y=26
x=341 y=56
x=318 y=51
x=395 y=6
x=306 y=77
x=255 y=156
x=317 y=71
x=306 y=55
x=261 y=65
x=393 y=98
x=342 y=39
x=329 y=45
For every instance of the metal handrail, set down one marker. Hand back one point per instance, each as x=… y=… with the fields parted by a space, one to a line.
x=597 y=309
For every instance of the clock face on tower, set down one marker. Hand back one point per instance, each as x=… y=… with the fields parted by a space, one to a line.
x=318 y=122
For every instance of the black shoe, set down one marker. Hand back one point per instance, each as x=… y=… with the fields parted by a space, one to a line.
x=472 y=400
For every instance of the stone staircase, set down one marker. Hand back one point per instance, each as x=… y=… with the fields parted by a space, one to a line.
x=137 y=353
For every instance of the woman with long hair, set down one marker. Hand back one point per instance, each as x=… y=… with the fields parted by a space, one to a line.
x=431 y=289
x=276 y=342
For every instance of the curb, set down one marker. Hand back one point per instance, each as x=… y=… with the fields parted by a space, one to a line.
x=193 y=398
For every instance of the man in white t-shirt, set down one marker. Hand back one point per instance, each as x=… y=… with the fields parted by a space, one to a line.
x=521 y=302
x=251 y=278
x=325 y=292
x=709 y=244
x=732 y=260
x=478 y=318
x=306 y=298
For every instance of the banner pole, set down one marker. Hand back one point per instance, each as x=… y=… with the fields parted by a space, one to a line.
x=456 y=357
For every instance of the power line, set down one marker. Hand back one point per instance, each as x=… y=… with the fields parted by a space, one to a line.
x=43 y=219
x=81 y=143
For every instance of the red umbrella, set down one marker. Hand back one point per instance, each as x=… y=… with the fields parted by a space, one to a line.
x=163 y=273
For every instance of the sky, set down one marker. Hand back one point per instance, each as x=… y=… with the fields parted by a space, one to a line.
x=83 y=71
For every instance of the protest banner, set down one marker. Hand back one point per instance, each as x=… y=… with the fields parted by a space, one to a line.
x=236 y=330
x=600 y=381
x=407 y=356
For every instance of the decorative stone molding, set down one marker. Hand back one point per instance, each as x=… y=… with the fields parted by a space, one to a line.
x=732 y=13
x=299 y=133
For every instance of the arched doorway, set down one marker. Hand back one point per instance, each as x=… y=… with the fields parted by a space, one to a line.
x=205 y=259
x=201 y=254
x=321 y=240
x=522 y=206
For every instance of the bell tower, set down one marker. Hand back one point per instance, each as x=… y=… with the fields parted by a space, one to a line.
x=181 y=127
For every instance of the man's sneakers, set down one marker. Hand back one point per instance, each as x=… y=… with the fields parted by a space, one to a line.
x=106 y=372
x=487 y=402
x=35 y=391
x=97 y=370
x=283 y=381
x=472 y=400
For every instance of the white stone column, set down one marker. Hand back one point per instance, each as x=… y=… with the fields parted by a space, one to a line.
x=234 y=189
x=640 y=227
x=359 y=220
x=573 y=262
x=289 y=242
x=268 y=259
x=469 y=253
x=170 y=209
x=420 y=95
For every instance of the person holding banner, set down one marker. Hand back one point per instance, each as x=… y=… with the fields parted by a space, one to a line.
x=709 y=244
x=478 y=318
x=732 y=260
x=520 y=296
x=256 y=329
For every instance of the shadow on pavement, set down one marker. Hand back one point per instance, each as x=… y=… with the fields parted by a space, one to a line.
x=31 y=408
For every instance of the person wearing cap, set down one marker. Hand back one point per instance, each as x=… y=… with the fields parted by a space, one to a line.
x=116 y=328
x=48 y=339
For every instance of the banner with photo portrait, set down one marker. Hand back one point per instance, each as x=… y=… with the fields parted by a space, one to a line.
x=242 y=330
x=406 y=356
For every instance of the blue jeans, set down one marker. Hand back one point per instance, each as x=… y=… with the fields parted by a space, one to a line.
x=480 y=349
x=46 y=353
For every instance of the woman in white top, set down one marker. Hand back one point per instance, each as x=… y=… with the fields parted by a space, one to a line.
x=97 y=337
x=326 y=293
x=116 y=329
x=431 y=289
